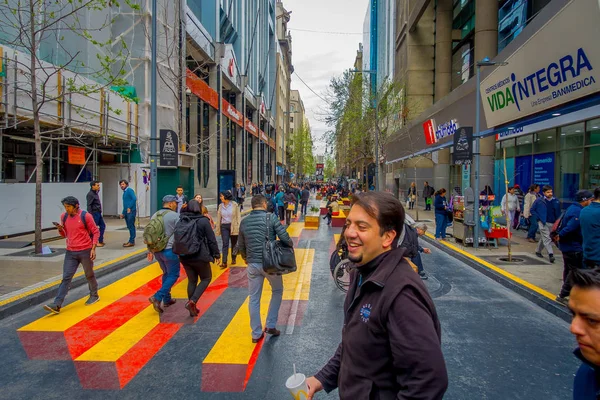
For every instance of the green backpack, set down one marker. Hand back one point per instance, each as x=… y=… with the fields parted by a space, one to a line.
x=154 y=234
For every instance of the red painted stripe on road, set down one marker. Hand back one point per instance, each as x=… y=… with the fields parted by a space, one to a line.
x=252 y=361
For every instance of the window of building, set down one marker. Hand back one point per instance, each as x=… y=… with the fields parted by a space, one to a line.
x=592 y=132
x=524 y=145
x=571 y=136
x=592 y=168
x=512 y=18
x=291 y=119
x=462 y=63
x=570 y=171
x=509 y=145
x=545 y=141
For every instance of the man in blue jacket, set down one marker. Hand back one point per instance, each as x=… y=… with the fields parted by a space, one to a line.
x=590 y=230
x=584 y=303
x=570 y=242
x=546 y=210
x=129 y=211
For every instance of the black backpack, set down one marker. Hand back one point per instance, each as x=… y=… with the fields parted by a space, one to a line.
x=187 y=240
x=270 y=205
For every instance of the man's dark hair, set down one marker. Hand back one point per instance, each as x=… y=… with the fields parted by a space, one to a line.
x=597 y=193
x=124 y=181
x=586 y=278
x=93 y=183
x=70 y=200
x=545 y=188
x=258 y=201
x=179 y=187
x=385 y=208
x=533 y=187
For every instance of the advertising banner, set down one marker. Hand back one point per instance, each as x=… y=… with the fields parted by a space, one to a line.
x=543 y=169
x=429 y=131
x=463 y=146
x=556 y=65
x=169 y=152
x=76 y=155
x=319 y=173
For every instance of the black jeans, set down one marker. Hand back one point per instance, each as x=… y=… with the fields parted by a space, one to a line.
x=226 y=236
x=195 y=269
x=281 y=211
x=572 y=260
x=288 y=216
x=303 y=208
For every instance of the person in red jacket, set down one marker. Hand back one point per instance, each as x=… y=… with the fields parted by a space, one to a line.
x=82 y=234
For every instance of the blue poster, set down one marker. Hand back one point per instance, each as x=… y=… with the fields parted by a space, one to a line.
x=543 y=169
x=523 y=172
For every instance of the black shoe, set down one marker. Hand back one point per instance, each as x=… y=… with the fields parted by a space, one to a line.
x=52 y=308
x=423 y=275
x=191 y=307
x=539 y=254
x=223 y=266
x=262 y=335
x=272 y=331
x=156 y=305
x=563 y=300
x=170 y=302
x=234 y=261
x=551 y=257
x=92 y=300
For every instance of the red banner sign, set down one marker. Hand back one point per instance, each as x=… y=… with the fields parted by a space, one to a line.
x=233 y=114
x=264 y=137
x=201 y=89
x=429 y=131
x=76 y=155
x=250 y=127
x=272 y=143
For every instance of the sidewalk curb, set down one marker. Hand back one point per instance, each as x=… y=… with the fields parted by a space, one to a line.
x=46 y=292
x=539 y=299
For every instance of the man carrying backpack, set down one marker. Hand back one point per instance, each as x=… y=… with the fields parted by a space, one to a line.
x=570 y=242
x=158 y=236
x=82 y=234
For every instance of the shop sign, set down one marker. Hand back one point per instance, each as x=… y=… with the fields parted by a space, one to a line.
x=169 y=152
x=250 y=127
x=228 y=63
x=463 y=146
x=279 y=170
x=201 y=89
x=446 y=129
x=466 y=177
x=272 y=144
x=76 y=155
x=264 y=137
x=543 y=169
x=510 y=131
x=535 y=80
x=429 y=131
x=232 y=113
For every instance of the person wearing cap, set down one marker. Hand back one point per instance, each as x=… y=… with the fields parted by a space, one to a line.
x=168 y=261
x=570 y=242
x=590 y=230
x=82 y=234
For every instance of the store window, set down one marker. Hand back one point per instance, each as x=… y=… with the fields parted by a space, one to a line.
x=524 y=145
x=545 y=141
x=592 y=165
x=592 y=132
x=570 y=170
x=509 y=145
x=571 y=136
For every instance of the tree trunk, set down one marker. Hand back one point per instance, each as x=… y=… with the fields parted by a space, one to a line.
x=508 y=223
x=36 y=131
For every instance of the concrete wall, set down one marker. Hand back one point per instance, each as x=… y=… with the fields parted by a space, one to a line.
x=18 y=199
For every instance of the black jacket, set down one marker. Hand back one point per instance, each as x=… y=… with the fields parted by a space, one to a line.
x=93 y=202
x=305 y=195
x=253 y=231
x=204 y=230
x=391 y=338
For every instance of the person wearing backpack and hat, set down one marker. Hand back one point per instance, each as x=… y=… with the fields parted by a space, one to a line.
x=196 y=245
x=228 y=225
x=158 y=236
x=82 y=234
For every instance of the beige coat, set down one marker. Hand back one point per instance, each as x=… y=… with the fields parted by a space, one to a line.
x=528 y=202
x=235 y=219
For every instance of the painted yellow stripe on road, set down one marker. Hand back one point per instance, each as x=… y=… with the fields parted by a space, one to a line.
x=496 y=269
x=336 y=238
x=115 y=345
x=296 y=286
x=295 y=229
x=80 y=273
x=179 y=291
x=77 y=311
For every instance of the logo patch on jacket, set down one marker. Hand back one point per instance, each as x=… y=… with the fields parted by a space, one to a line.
x=365 y=312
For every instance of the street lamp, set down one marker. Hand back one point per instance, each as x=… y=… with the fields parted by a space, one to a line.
x=376 y=130
x=483 y=63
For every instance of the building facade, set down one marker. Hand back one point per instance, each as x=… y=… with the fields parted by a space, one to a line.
x=284 y=71
x=539 y=109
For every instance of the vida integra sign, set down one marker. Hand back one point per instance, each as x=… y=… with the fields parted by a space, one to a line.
x=555 y=66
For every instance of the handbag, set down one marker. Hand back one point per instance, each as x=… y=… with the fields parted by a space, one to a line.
x=291 y=206
x=278 y=257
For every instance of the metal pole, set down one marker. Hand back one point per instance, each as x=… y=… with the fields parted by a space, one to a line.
x=153 y=122
x=51 y=171
x=476 y=154
x=376 y=145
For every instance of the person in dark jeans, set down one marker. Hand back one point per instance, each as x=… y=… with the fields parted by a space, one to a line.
x=228 y=225
x=441 y=214
x=193 y=264
x=129 y=211
x=94 y=207
x=304 y=197
x=570 y=242
x=289 y=201
x=428 y=192
x=82 y=235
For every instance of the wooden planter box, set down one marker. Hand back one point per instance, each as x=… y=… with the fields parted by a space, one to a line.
x=338 y=221
x=312 y=221
x=319 y=197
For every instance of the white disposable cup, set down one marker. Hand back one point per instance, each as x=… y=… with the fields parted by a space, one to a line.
x=296 y=384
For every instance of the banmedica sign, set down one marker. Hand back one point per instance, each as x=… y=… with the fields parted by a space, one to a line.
x=559 y=63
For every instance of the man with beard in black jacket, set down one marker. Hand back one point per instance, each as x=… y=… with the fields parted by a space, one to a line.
x=391 y=341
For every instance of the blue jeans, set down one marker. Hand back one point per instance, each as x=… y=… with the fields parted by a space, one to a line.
x=441 y=221
x=70 y=265
x=101 y=225
x=418 y=262
x=533 y=227
x=130 y=221
x=169 y=263
x=256 y=278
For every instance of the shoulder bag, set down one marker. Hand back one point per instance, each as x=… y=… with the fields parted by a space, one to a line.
x=278 y=257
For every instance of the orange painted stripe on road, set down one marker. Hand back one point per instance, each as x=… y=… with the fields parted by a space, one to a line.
x=494 y=268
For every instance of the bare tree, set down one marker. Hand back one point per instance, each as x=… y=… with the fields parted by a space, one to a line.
x=55 y=36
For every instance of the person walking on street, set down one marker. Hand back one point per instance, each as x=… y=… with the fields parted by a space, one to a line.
x=389 y=316
x=253 y=230
x=412 y=195
x=546 y=211
x=296 y=190
x=289 y=202
x=279 y=204
x=520 y=199
x=570 y=242
x=205 y=212
x=129 y=211
x=410 y=240
x=530 y=198
x=304 y=197
x=428 y=193
x=228 y=226
x=94 y=207
x=590 y=231
x=196 y=244
x=441 y=214
x=182 y=199
x=168 y=261
x=510 y=205
x=81 y=233
x=240 y=196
